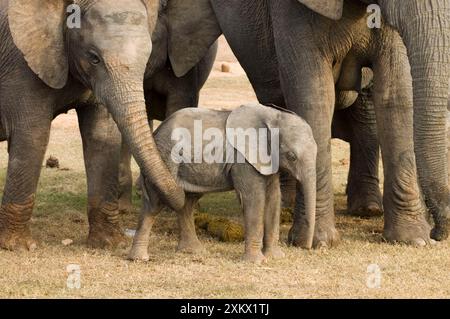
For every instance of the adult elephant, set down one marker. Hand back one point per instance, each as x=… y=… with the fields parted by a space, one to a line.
x=425 y=30
x=48 y=67
x=303 y=47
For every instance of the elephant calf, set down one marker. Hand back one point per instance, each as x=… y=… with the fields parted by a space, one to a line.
x=276 y=139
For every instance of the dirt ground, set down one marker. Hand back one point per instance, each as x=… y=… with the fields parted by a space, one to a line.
x=362 y=266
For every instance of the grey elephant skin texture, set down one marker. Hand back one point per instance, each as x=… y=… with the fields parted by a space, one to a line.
x=354 y=121
x=42 y=78
x=258 y=188
x=426 y=34
x=165 y=93
x=288 y=51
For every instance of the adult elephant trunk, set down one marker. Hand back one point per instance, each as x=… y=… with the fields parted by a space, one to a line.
x=126 y=103
x=427 y=37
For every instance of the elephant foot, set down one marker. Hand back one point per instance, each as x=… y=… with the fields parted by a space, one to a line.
x=295 y=237
x=440 y=232
x=256 y=258
x=104 y=227
x=366 y=202
x=192 y=246
x=366 y=210
x=441 y=226
x=274 y=252
x=410 y=231
x=15 y=232
x=405 y=212
x=17 y=240
x=325 y=235
x=139 y=253
x=106 y=239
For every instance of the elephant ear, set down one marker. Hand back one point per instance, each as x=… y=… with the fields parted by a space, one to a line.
x=328 y=8
x=193 y=28
x=247 y=120
x=37 y=30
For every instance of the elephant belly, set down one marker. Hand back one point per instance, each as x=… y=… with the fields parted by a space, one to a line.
x=205 y=178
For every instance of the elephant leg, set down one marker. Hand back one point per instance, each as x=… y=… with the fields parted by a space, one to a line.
x=251 y=189
x=101 y=148
x=357 y=125
x=319 y=117
x=139 y=250
x=125 y=180
x=271 y=247
x=404 y=219
x=308 y=86
x=363 y=190
x=188 y=240
x=27 y=143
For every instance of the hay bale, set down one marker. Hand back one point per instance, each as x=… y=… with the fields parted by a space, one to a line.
x=221 y=228
x=201 y=221
x=226 y=230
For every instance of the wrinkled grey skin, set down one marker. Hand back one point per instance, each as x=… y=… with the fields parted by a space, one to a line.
x=430 y=70
x=354 y=121
x=289 y=52
x=425 y=30
x=258 y=190
x=164 y=94
x=40 y=79
x=424 y=26
x=357 y=126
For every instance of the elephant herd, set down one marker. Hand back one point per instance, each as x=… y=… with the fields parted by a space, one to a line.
x=132 y=61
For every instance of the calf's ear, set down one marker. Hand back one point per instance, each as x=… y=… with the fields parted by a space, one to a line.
x=259 y=148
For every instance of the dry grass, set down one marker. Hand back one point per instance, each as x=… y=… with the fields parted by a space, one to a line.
x=338 y=272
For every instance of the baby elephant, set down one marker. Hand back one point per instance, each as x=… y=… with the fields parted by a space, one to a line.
x=215 y=151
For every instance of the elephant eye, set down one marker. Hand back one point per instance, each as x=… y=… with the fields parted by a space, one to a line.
x=291 y=156
x=93 y=57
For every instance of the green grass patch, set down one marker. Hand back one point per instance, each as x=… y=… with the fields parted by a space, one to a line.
x=221 y=204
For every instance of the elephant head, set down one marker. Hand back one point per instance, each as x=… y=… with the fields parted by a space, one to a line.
x=295 y=150
x=108 y=53
x=425 y=28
